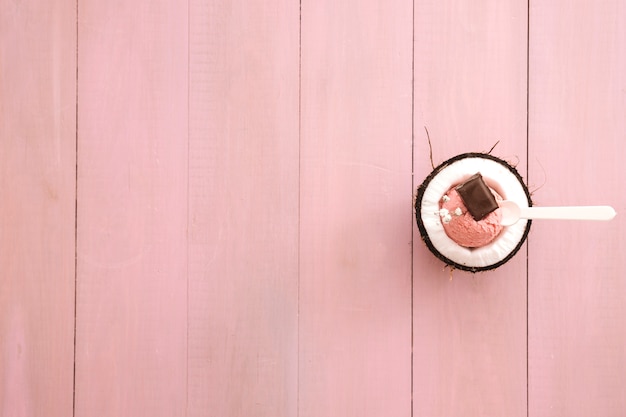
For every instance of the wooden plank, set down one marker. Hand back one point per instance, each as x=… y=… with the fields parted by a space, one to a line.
x=37 y=179
x=132 y=209
x=243 y=208
x=355 y=272
x=469 y=345
x=577 y=292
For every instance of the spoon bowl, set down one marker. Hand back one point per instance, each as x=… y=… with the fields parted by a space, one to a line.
x=512 y=212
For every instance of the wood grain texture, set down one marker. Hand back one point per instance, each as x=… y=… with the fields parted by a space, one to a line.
x=355 y=219
x=577 y=291
x=243 y=195
x=37 y=172
x=469 y=345
x=131 y=351
x=243 y=208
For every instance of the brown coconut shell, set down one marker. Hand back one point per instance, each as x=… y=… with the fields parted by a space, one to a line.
x=424 y=234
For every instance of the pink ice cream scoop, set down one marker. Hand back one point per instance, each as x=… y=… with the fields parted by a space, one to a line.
x=460 y=225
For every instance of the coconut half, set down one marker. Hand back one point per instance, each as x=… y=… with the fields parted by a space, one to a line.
x=497 y=174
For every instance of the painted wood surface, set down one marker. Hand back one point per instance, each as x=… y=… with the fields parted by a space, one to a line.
x=355 y=209
x=577 y=286
x=131 y=333
x=239 y=208
x=469 y=336
x=37 y=204
x=243 y=208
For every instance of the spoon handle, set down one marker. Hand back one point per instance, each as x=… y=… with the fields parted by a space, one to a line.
x=569 y=213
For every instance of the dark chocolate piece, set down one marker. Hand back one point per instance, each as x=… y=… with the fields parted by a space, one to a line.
x=477 y=197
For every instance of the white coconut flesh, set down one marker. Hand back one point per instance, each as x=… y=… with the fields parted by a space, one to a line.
x=496 y=176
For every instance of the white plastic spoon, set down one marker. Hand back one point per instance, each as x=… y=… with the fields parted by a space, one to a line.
x=511 y=213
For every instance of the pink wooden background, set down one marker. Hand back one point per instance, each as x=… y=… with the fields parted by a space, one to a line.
x=206 y=208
